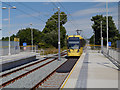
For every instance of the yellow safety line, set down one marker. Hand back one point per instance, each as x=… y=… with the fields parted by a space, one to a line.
x=93 y=45
x=28 y=46
x=70 y=74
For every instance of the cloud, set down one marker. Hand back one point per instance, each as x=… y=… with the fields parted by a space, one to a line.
x=82 y=24
x=92 y=11
x=6 y=19
x=100 y=4
x=30 y=15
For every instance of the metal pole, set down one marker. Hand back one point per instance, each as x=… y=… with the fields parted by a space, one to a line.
x=94 y=39
x=59 y=33
x=35 y=48
x=101 y=38
x=32 y=40
x=9 y=32
x=107 y=22
x=32 y=37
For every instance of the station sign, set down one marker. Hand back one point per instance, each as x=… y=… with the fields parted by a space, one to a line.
x=24 y=44
x=109 y=43
x=16 y=39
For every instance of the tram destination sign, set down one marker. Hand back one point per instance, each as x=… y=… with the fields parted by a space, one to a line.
x=73 y=38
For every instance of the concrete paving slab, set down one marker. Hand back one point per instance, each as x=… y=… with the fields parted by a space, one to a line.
x=71 y=80
x=101 y=73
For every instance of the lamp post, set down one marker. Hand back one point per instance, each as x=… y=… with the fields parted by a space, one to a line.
x=94 y=39
x=59 y=33
x=107 y=22
x=9 y=53
x=32 y=37
x=101 y=39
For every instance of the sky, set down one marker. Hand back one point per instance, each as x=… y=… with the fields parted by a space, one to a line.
x=38 y=12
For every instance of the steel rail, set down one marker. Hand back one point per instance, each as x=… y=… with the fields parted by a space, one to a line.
x=20 y=76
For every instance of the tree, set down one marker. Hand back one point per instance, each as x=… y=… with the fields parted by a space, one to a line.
x=113 y=32
x=51 y=30
x=92 y=40
x=5 y=38
x=48 y=37
x=25 y=36
x=12 y=37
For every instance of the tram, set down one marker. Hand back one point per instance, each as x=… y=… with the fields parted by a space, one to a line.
x=75 y=45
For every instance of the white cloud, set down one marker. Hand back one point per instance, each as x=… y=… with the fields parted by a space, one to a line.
x=6 y=19
x=92 y=11
x=100 y=4
x=30 y=15
x=82 y=24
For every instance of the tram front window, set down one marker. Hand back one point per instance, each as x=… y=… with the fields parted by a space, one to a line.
x=73 y=45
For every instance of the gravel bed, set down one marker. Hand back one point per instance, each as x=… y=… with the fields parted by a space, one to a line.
x=21 y=66
x=13 y=75
x=37 y=57
x=35 y=77
x=54 y=81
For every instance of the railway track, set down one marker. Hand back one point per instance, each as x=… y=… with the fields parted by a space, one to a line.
x=57 y=77
x=13 y=71
x=28 y=71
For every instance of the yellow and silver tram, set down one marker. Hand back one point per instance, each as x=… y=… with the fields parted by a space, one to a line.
x=75 y=45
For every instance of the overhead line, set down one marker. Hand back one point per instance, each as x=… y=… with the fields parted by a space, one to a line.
x=54 y=4
x=33 y=9
x=68 y=14
x=25 y=12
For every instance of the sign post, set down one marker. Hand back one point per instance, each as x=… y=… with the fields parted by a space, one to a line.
x=24 y=45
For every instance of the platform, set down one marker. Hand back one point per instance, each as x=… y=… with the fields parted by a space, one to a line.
x=92 y=70
x=11 y=61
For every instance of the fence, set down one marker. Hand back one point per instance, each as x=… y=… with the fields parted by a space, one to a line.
x=28 y=48
x=113 y=55
x=4 y=47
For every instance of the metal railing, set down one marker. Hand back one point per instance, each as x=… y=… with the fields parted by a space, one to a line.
x=113 y=55
x=4 y=48
x=28 y=48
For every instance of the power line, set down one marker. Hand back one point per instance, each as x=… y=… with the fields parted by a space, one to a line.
x=33 y=9
x=68 y=14
x=66 y=11
x=25 y=12
x=54 y=4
